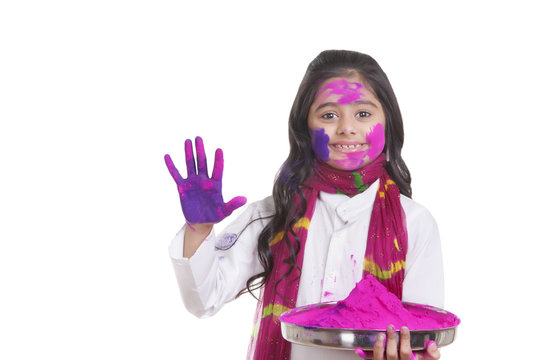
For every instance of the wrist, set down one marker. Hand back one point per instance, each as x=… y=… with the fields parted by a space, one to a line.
x=202 y=228
x=194 y=236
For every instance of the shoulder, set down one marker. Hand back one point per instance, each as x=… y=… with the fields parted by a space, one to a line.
x=250 y=222
x=258 y=210
x=422 y=228
x=415 y=212
x=261 y=208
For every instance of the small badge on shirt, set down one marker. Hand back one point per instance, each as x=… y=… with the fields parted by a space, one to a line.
x=226 y=241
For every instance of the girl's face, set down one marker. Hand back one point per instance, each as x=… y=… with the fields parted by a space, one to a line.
x=346 y=121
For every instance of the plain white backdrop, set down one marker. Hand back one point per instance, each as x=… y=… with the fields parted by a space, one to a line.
x=94 y=93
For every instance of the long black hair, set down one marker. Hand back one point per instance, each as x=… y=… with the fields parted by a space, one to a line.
x=299 y=164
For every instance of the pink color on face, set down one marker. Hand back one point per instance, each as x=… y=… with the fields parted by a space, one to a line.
x=355 y=160
x=349 y=91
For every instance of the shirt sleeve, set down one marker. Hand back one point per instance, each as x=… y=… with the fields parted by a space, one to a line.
x=220 y=267
x=424 y=277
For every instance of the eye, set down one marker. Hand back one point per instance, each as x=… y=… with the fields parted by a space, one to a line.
x=329 y=116
x=363 y=114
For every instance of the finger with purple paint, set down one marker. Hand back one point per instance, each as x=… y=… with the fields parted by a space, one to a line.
x=200 y=196
x=201 y=157
x=173 y=170
x=190 y=160
x=217 y=172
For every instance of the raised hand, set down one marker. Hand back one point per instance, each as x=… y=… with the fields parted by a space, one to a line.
x=200 y=196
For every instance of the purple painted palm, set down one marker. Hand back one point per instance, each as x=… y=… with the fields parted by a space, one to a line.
x=200 y=196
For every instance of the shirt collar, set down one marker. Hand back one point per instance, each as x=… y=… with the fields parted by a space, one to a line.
x=350 y=208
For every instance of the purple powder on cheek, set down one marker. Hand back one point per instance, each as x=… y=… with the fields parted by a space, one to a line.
x=319 y=142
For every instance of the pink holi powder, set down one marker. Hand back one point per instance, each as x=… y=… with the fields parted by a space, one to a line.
x=371 y=306
x=349 y=91
x=190 y=226
x=327 y=293
x=375 y=138
x=376 y=141
x=360 y=352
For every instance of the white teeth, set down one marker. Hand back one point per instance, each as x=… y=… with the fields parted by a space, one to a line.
x=347 y=146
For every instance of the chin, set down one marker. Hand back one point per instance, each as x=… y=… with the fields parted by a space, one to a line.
x=348 y=164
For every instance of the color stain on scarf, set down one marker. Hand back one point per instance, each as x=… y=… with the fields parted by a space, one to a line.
x=371 y=306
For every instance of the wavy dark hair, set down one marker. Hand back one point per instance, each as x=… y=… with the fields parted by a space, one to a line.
x=299 y=164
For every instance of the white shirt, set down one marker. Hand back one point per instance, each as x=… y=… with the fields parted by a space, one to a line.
x=332 y=265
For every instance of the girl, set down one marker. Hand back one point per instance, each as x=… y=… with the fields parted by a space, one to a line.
x=342 y=195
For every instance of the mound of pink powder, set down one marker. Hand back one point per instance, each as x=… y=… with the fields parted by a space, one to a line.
x=371 y=306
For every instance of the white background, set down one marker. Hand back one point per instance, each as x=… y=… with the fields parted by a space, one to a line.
x=94 y=93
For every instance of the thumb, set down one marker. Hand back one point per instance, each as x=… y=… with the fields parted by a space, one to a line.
x=234 y=204
x=431 y=352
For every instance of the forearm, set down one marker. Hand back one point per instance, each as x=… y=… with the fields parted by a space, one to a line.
x=219 y=268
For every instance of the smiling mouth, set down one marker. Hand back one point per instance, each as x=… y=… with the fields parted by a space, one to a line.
x=348 y=148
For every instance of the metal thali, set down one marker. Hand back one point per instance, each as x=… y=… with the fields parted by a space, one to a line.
x=350 y=339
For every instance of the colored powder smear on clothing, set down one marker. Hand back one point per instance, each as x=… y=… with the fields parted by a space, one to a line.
x=371 y=306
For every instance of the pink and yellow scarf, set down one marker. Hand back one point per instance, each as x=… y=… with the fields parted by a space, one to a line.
x=385 y=255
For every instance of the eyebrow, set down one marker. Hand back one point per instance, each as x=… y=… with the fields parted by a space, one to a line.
x=363 y=102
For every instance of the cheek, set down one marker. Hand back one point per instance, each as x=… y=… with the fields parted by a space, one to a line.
x=376 y=141
x=319 y=142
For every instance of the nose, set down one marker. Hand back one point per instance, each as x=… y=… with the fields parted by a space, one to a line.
x=347 y=125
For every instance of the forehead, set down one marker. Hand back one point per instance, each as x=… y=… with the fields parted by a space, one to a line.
x=352 y=77
x=344 y=90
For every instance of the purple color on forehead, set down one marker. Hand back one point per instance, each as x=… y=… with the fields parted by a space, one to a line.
x=349 y=91
x=319 y=142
